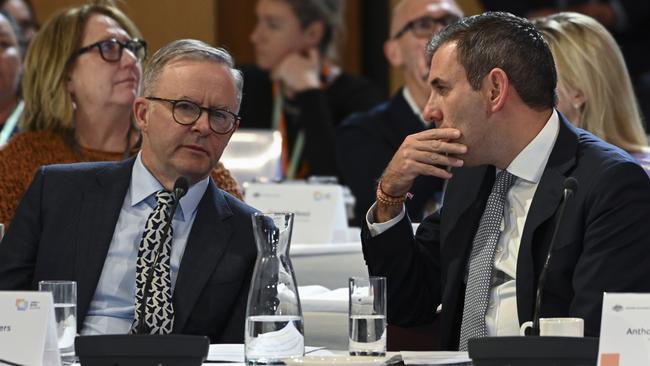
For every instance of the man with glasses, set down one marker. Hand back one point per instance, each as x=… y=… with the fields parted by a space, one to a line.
x=370 y=139
x=105 y=224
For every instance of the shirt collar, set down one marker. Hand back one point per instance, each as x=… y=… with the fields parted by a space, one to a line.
x=144 y=186
x=414 y=106
x=531 y=161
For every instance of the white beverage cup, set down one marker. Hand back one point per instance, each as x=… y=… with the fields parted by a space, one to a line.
x=557 y=327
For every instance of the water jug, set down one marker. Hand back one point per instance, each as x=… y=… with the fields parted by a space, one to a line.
x=274 y=322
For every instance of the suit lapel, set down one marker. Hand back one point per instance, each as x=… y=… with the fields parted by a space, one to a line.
x=100 y=210
x=548 y=197
x=208 y=239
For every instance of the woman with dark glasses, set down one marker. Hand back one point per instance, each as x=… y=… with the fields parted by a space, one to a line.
x=82 y=74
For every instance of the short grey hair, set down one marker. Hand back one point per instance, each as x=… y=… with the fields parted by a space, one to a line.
x=189 y=49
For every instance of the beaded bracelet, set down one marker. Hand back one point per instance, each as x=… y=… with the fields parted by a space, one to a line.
x=387 y=199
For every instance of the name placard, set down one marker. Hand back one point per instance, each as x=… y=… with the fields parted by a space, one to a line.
x=27 y=328
x=625 y=330
x=319 y=209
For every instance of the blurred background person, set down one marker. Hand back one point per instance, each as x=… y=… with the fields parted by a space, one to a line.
x=296 y=86
x=11 y=54
x=23 y=12
x=79 y=99
x=367 y=141
x=594 y=87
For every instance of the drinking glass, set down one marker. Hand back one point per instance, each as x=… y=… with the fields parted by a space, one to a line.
x=64 y=294
x=367 y=316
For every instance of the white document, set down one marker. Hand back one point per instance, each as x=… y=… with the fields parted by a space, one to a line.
x=435 y=358
x=235 y=352
x=625 y=330
x=27 y=328
x=318 y=208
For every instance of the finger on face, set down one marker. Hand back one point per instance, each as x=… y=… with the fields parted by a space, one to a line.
x=446 y=134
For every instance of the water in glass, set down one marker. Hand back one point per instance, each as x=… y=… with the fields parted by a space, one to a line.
x=367 y=335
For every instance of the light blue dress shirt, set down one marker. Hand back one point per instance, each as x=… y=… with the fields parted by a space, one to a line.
x=112 y=308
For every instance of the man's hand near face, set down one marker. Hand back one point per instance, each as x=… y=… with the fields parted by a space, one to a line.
x=425 y=153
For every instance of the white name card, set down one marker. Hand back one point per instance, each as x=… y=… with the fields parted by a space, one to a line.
x=319 y=209
x=625 y=330
x=27 y=328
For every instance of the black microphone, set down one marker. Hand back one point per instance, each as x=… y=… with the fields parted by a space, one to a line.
x=570 y=187
x=180 y=189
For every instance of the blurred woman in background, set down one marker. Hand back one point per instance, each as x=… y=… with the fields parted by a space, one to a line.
x=594 y=88
x=296 y=86
x=82 y=74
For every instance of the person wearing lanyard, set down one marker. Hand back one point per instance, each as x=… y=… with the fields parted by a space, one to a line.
x=11 y=54
x=296 y=87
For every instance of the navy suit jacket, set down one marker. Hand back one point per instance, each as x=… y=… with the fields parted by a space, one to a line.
x=365 y=144
x=63 y=228
x=603 y=243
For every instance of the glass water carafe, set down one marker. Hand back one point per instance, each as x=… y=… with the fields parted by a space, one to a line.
x=274 y=322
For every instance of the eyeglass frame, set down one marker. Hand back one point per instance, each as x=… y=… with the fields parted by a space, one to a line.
x=410 y=26
x=202 y=109
x=141 y=42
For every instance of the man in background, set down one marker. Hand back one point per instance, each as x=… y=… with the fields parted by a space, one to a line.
x=367 y=141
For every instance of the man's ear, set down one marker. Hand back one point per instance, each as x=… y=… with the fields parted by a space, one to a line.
x=496 y=86
x=393 y=53
x=141 y=113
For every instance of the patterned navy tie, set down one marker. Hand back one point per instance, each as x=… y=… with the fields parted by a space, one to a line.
x=481 y=261
x=158 y=311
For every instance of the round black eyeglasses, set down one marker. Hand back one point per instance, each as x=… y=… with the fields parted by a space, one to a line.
x=111 y=49
x=221 y=121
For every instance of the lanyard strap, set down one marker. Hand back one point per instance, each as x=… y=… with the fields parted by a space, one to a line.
x=291 y=164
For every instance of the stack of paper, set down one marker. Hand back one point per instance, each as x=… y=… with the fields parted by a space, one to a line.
x=435 y=358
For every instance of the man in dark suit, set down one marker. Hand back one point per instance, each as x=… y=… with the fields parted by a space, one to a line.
x=101 y=224
x=493 y=84
x=367 y=141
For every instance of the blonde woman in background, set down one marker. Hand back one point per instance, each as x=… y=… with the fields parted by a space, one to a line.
x=82 y=74
x=594 y=87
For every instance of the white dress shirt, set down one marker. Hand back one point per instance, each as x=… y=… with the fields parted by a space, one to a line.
x=501 y=318
x=112 y=308
x=406 y=93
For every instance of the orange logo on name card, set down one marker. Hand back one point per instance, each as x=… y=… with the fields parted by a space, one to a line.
x=610 y=359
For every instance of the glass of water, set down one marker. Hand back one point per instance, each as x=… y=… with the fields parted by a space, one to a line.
x=64 y=294
x=367 y=316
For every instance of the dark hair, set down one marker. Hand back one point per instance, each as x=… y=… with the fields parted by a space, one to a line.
x=502 y=40
x=20 y=39
x=330 y=12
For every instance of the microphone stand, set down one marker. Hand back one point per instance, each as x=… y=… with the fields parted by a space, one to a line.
x=570 y=185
